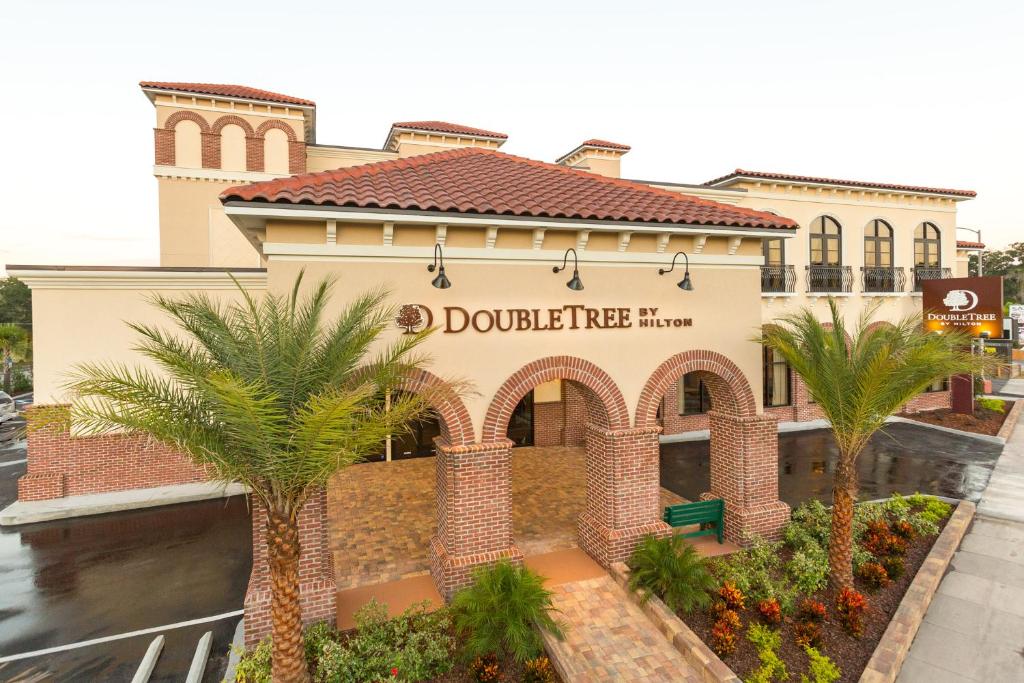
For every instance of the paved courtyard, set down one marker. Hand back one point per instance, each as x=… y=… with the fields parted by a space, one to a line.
x=381 y=515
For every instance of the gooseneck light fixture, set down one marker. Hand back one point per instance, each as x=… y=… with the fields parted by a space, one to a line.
x=685 y=283
x=441 y=281
x=575 y=283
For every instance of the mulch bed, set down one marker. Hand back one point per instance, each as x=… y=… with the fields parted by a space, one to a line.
x=983 y=421
x=510 y=672
x=850 y=654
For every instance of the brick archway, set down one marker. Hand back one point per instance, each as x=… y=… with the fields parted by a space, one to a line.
x=274 y=123
x=456 y=424
x=730 y=391
x=606 y=407
x=232 y=120
x=179 y=116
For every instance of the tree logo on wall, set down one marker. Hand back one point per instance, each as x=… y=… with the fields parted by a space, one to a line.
x=410 y=318
x=960 y=300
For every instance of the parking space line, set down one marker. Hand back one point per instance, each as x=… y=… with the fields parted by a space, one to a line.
x=13 y=462
x=120 y=636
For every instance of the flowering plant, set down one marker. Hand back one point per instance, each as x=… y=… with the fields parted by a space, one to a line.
x=723 y=639
x=731 y=596
x=851 y=607
x=770 y=610
x=811 y=610
x=873 y=574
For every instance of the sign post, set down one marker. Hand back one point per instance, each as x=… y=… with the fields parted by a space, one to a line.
x=969 y=304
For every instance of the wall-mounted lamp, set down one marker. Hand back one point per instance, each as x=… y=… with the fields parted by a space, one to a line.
x=685 y=283
x=575 y=284
x=441 y=281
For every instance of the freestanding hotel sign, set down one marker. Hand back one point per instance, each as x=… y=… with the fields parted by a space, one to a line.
x=969 y=304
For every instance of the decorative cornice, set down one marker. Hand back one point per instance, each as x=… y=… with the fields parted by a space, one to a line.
x=38 y=278
x=214 y=174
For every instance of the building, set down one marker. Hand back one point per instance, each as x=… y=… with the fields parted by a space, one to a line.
x=246 y=192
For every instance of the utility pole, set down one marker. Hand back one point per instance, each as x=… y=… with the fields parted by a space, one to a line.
x=980 y=251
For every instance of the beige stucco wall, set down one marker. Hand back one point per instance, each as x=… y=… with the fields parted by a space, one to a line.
x=193 y=228
x=725 y=311
x=85 y=323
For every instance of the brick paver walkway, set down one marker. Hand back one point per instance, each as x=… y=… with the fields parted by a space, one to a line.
x=381 y=515
x=608 y=638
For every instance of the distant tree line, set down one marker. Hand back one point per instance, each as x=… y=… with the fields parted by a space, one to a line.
x=15 y=303
x=1007 y=262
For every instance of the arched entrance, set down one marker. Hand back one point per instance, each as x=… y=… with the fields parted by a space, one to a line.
x=744 y=445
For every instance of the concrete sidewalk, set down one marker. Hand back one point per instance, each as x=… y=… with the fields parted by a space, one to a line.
x=974 y=627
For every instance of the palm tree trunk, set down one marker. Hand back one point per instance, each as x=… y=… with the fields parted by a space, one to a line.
x=289 y=654
x=7 y=371
x=840 y=549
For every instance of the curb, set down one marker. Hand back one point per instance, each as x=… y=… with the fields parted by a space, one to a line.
x=1011 y=420
x=949 y=430
x=887 y=659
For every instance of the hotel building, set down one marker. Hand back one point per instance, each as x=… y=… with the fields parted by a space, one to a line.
x=246 y=192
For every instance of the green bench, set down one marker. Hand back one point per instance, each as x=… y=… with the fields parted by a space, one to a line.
x=702 y=512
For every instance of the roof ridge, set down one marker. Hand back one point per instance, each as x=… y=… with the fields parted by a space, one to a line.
x=771 y=175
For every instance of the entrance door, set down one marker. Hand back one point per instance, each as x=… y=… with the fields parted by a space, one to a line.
x=520 y=426
x=419 y=441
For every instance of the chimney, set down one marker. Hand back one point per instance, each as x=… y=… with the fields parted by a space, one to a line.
x=597 y=156
x=410 y=138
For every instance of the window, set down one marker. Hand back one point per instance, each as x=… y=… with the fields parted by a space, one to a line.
x=776 y=379
x=826 y=236
x=927 y=246
x=693 y=395
x=774 y=250
x=878 y=245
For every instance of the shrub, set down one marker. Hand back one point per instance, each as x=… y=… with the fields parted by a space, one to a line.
x=538 y=670
x=485 y=669
x=729 y=618
x=316 y=637
x=673 y=570
x=767 y=642
x=503 y=611
x=994 y=404
x=755 y=572
x=815 y=519
x=851 y=606
x=254 y=666
x=822 y=669
x=894 y=567
x=723 y=639
x=414 y=646
x=811 y=610
x=809 y=569
x=807 y=634
x=770 y=611
x=935 y=511
x=873 y=574
x=903 y=529
x=731 y=596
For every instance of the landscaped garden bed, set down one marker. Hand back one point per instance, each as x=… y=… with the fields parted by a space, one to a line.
x=489 y=633
x=989 y=415
x=769 y=613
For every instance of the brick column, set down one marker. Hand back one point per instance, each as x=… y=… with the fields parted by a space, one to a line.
x=163 y=141
x=253 y=153
x=210 y=149
x=317 y=585
x=296 y=156
x=474 y=512
x=745 y=473
x=623 y=483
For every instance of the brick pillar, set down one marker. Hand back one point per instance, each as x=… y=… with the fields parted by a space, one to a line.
x=253 y=153
x=474 y=512
x=745 y=473
x=317 y=584
x=210 y=149
x=163 y=142
x=623 y=484
x=549 y=423
x=575 y=433
x=296 y=156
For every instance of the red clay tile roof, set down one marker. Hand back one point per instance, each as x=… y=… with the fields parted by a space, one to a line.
x=594 y=142
x=963 y=244
x=228 y=90
x=481 y=181
x=451 y=128
x=740 y=173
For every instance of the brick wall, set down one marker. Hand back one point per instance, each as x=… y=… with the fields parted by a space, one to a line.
x=549 y=422
x=210 y=135
x=575 y=413
x=317 y=588
x=60 y=464
x=933 y=400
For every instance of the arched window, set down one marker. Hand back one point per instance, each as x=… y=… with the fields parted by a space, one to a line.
x=275 y=151
x=927 y=246
x=826 y=242
x=878 y=245
x=188 y=144
x=232 y=148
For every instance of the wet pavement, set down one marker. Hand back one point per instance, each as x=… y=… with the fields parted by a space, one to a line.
x=901 y=458
x=74 y=580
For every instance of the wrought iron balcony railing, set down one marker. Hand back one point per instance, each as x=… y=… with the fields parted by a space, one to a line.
x=778 y=279
x=829 y=279
x=922 y=273
x=883 y=280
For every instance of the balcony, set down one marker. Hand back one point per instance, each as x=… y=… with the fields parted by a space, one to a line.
x=922 y=273
x=829 y=279
x=883 y=280
x=778 y=279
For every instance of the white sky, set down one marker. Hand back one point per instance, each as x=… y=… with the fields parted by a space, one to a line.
x=926 y=93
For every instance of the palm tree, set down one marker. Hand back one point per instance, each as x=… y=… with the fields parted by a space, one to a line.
x=858 y=380
x=268 y=393
x=13 y=347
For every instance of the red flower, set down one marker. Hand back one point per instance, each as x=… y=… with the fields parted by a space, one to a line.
x=394 y=672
